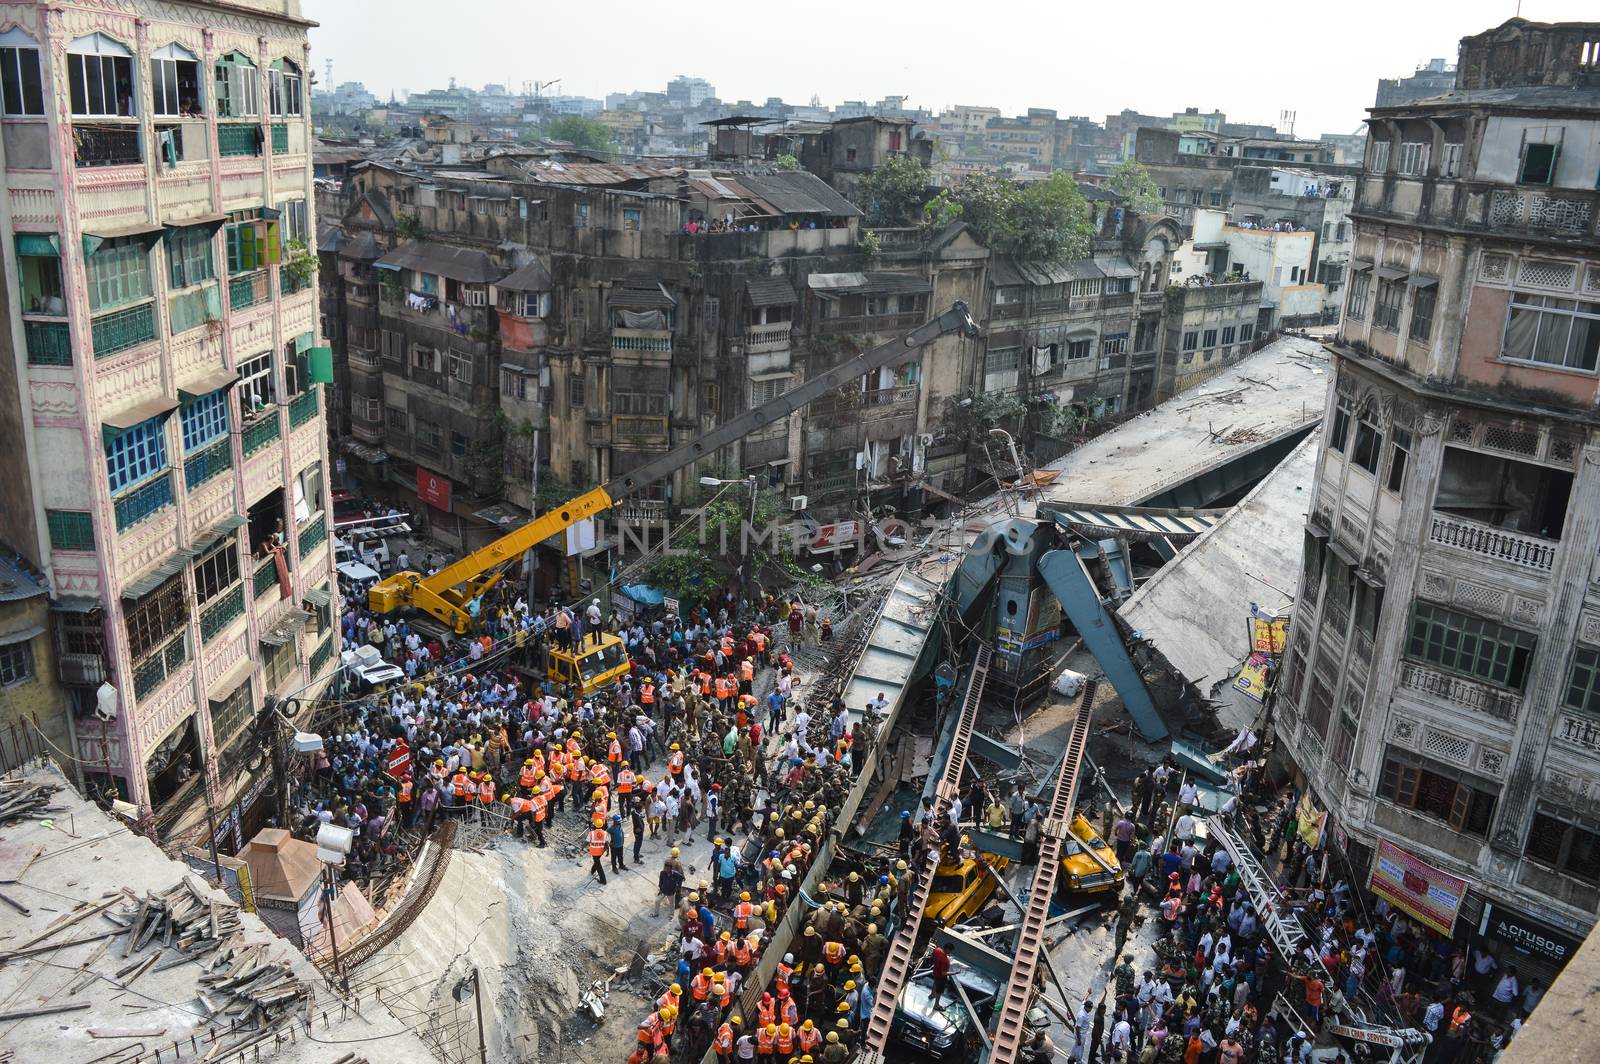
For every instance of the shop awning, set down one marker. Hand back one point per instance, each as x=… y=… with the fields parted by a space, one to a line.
x=770 y=292
x=204 y=540
x=1390 y=273
x=285 y=627
x=206 y=382
x=1422 y=280
x=213 y=222
x=142 y=411
x=1115 y=266
x=147 y=232
x=10 y=638
x=39 y=245
x=364 y=452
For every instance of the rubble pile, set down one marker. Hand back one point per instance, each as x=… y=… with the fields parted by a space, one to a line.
x=19 y=799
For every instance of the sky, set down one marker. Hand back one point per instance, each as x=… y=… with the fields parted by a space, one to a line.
x=1249 y=59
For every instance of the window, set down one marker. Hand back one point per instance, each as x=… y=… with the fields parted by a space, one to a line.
x=136 y=454
x=398 y=420
x=1552 y=331
x=1538 y=164
x=292 y=215
x=849 y=155
x=217 y=571
x=460 y=367
x=229 y=716
x=1216 y=199
x=764 y=391
x=204 y=420
x=1583 y=681
x=1435 y=791
x=1423 y=299
x=1380 y=157
x=1195 y=195
x=394 y=345
x=156 y=616
x=425 y=358
x=1191 y=339
x=1229 y=333
x=575 y=398
x=427 y=432
x=1340 y=434
x=284 y=88
x=1386 y=311
x=1400 y=451
x=1356 y=301
x=458 y=444
x=1209 y=338
x=1470 y=645
x=1246 y=331
x=1114 y=344
x=256 y=386
x=23 y=91
x=281 y=663
x=1565 y=847
x=710 y=397
x=1077 y=349
x=253 y=242
x=119 y=273
x=526 y=304
x=368 y=408
x=477 y=295
x=1450 y=162
x=189 y=256
x=16 y=663
x=1413 y=158
x=1368 y=444
x=238 y=87
x=100 y=77
x=632 y=219
x=580 y=217
x=175 y=82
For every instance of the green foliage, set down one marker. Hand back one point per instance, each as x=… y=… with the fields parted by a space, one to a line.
x=892 y=193
x=707 y=544
x=1133 y=181
x=787 y=161
x=408 y=226
x=580 y=132
x=870 y=244
x=941 y=210
x=302 y=262
x=1044 y=222
x=970 y=421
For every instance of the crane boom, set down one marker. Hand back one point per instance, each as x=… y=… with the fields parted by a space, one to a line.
x=448 y=594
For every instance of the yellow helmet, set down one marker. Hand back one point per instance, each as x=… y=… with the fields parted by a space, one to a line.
x=744 y=895
x=529 y=761
x=676 y=989
x=675 y=746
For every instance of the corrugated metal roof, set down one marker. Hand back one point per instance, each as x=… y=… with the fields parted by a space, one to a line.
x=362 y=247
x=770 y=291
x=16 y=583
x=529 y=277
x=461 y=264
x=1134 y=522
x=876 y=283
x=799 y=192
x=1007 y=271
x=570 y=173
x=641 y=292
x=330 y=237
x=1115 y=266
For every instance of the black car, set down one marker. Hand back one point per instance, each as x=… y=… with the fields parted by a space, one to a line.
x=948 y=1031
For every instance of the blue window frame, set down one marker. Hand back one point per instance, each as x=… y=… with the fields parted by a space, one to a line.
x=137 y=454
x=205 y=419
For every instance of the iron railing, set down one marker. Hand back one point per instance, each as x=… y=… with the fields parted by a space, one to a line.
x=122 y=329
x=248 y=290
x=239 y=138
x=143 y=501
x=302 y=408
x=49 y=343
x=204 y=465
x=105 y=145
x=265 y=578
x=220 y=613
x=261 y=433
x=313 y=534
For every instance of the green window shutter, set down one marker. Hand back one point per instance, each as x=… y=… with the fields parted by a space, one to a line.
x=321 y=365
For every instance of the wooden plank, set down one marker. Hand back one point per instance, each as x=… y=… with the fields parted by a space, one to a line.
x=47 y=1010
x=15 y=857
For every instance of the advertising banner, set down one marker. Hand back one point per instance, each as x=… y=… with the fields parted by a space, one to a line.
x=433 y=489
x=1431 y=895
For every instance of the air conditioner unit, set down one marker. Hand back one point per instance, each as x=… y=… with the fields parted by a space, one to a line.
x=797 y=503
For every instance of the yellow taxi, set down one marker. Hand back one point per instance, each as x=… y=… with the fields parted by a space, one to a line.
x=1089 y=864
x=961 y=889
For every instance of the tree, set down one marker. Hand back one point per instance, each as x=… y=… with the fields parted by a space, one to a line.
x=893 y=194
x=1133 y=181
x=787 y=161
x=580 y=132
x=1044 y=222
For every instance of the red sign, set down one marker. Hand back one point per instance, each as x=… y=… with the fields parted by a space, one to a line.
x=433 y=489
x=841 y=535
x=1428 y=893
x=399 y=758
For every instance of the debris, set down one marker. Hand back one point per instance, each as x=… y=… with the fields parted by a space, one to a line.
x=46 y=1010
x=127 y=1032
x=35 y=799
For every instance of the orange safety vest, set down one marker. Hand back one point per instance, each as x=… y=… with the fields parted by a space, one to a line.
x=760 y=641
x=460 y=785
x=724 y=688
x=520 y=805
x=700 y=986
x=574 y=770
x=601 y=798
x=615 y=753
x=538 y=803
x=437 y=772
x=625 y=780
x=650 y=1029
x=1459 y=1018
x=726 y=997
x=675 y=763
x=742 y=954
x=742 y=913
x=788 y=1011
x=719 y=950
x=747 y=669
x=574 y=747
x=558 y=762
x=723 y=1042
x=647 y=694
x=528 y=776
x=597 y=842
x=785 y=1039
x=833 y=952
x=600 y=776
x=766 y=1012
x=784 y=972
x=810 y=1038
x=705 y=684
x=405 y=789
x=486 y=790
x=764 y=1041
x=668 y=998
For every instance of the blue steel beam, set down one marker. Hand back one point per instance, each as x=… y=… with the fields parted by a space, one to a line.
x=1003 y=754
x=999 y=845
x=1080 y=601
x=975 y=954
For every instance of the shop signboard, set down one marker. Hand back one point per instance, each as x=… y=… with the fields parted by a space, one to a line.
x=1529 y=937
x=1428 y=893
x=433 y=489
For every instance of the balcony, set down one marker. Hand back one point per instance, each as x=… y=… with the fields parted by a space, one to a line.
x=150 y=673
x=302 y=408
x=639 y=430
x=1552 y=212
x=313 y=535
x=289 y=284
x=203 y=466
x=185 y=141
x=238 y=138
x=248 y=290
x=122 y=329
x=868 y=323
x=266 y=577
x=105 y=144
x=1458 y=691
x=1561 y=214
x=643 y=341
x=1497 y=544
x=642 y=511
x=49 y=342
x=760 y=339
x=220 y=613
x=280 y=138
x=144 y=501
x=831 y=484
x=261 y=433
x=888 y=402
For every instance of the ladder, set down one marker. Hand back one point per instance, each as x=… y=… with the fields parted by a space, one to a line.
x=1007 y=1042
x=897 y=966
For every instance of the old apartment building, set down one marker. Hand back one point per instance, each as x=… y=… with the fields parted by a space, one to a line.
x=1442 y=691
x=165 y=448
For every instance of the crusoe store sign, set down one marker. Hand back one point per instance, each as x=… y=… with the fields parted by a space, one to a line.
x=1526 y=936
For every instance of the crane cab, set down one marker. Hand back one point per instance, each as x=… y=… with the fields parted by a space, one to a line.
x=590 y=666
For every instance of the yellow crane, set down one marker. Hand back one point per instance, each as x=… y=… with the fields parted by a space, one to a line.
x=452 y=594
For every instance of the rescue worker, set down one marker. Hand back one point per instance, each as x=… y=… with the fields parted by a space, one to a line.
x=722 y=1041
x=808 y=1037
x=537 y=805
x=526 y=777
x=618 y=841
x=598 y=839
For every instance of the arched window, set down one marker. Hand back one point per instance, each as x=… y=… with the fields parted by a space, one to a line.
x=286 y=88
x=175 y=82
x=238 y=86
x=100 y=77
x=21 y=88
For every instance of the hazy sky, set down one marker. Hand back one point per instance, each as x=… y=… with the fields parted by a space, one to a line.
x=1250 y=60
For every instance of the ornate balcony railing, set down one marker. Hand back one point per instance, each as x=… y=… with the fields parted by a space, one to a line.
x=149 y=673
x=261 y=433
x=640 y=340
x=238 y=138
x=762 y=338
x=313 y=534
x=140 y=503
x=49 y=343
x=203 y=465
x=216 y=616
x=1514 y=548
x=105 y=145
x=248 y=290
x=122 y=329
x=302 y=408
x=1459 y=691
x=266 y=577
x=280 y=138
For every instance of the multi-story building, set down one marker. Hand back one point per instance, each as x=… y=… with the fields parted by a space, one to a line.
x=1441 y=697
x=1432 y=78
x=163 y=324
x=1209 y=327
x=1266 y=196
x=1281 y=255
x=687 y=92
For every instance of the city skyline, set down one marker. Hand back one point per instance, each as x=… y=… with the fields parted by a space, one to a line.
x=1327 y=100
